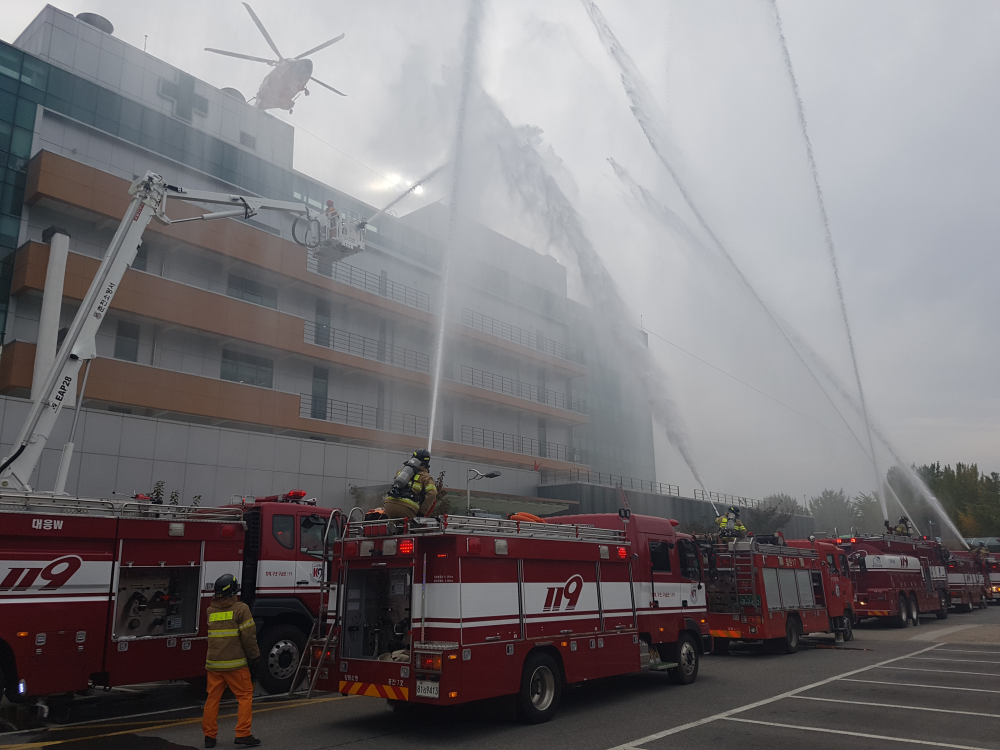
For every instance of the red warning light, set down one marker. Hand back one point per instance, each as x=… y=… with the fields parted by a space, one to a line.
x=406 y=546
x=296 y=494
x=622 y=553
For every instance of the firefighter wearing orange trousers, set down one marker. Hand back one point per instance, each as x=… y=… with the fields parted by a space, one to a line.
x=232 y=655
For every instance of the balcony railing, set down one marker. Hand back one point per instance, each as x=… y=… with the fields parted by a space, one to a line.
x=559 y=476
x=359 y=415
x=518 y=389
x=721 y=498
x=362 y=346
x=520 y=336
x=501 y=441
x=369 y=282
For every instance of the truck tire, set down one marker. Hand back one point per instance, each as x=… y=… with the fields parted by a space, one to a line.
x=914 y=609
x=848 y=626
x=942 y=613
x=793 y=632
x=686 y=656
x=541 y=688
x=902 y=617
x=280 y=650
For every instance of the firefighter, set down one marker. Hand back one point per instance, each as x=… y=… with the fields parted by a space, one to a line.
x=903 y=527
x=981 y=552
x=413 y=492
x=730 y=526
x=232 y=659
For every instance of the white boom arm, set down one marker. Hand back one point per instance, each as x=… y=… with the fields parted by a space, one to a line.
x=149 y=201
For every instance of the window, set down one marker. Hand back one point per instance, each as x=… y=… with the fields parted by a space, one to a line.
x=690 y=564
x=311 y=534
x=252 y=291
x=659 y=555
x=831 y=561
x=283 y=529
x=247 y=369
x=322 y=323
x=141 y=258
x=127 y=341
x=321 y=380
x=843 y=564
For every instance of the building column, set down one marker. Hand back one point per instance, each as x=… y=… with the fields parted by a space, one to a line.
x=52 y=295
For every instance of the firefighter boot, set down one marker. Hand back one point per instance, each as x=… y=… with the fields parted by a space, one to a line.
x=209 y=741
x=248 y=741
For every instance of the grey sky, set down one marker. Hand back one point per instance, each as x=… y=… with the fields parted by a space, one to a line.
x=902 y=104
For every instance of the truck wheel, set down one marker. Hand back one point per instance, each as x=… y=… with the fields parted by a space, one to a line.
x=942 y=613
x=720 y=646
x=793 y=632
x=280 y=650
x=848 y=626
x=541 y=689
x=914 y=610
x=686 y=656
x=902 y=617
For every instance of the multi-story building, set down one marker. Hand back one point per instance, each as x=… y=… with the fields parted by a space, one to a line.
x=235 y=361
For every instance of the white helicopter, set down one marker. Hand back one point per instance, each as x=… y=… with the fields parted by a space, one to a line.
x=282 y=86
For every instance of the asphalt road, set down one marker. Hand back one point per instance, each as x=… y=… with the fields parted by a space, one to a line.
x=937 y=685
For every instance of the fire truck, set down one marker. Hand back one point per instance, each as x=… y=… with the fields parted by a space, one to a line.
x=767 y=590
x=966 y=581
x=114 y=592
x=442 y=611
x=897 y=578
x=991 y=578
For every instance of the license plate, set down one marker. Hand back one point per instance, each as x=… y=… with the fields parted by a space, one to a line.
x=428 y=689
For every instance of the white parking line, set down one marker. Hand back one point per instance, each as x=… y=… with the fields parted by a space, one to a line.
x=930 y=636
x=968 y=651
x=970 y=661
x=634 y=744
x=893 y=705
x=856 y=734
x=913 y=684
x=943 y=671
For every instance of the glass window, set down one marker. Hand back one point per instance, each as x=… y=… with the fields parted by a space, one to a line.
x=843 y=564
x=283 y=529
x=8 y=103
x=321 y=380
x=84 y=95
x=20 y=142
x=252 y=291
x=248 y=369
x=25 y=116
x=127 y=341
x=311 y=533
x=10 y=61
x=690 y=563
x=659 y=554
x=35 y=73
x=60 y=84
x=832 y=562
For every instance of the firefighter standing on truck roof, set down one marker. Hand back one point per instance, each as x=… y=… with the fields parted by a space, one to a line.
x=232 y=657
x=903 y=527
x=730 y=525
x=413 y=492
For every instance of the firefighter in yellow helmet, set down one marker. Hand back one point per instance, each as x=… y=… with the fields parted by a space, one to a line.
x=232 y=657
x=413 y=492
x=730 y=526
x=903 y=527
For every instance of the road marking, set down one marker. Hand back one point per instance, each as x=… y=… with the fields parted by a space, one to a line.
x=943 y=671
x=968 y=651
x=855 y=734
x=971 y=661
x=893 y=705
x=167 y=725
x=914 y=684
x=941 y=631
x=634 y=744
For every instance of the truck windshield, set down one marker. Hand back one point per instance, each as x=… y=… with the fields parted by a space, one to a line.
x=311 y=534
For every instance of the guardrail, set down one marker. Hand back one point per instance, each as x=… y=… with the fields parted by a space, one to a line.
x=558 y=476
x=369 y=282
x=519 y=389
x=359 y=415
x=521 y=336
x=66 y=505
x=502 y=441
x=724 y=499
x=362 y=346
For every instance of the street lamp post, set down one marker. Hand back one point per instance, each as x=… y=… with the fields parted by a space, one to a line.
x=469 y=478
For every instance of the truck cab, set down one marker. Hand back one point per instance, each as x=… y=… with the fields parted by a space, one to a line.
x=282 y=572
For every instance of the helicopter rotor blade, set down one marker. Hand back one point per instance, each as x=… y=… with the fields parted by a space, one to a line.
x=327 y=86
x=324 y=45
x=260 y=26
x=242 y=57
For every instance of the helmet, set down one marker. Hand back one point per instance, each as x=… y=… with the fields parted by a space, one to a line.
x=226 y=585
x=734 y=509
x=423 y=456
x=904 y=519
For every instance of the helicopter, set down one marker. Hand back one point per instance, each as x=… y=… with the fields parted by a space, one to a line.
x=282 y=86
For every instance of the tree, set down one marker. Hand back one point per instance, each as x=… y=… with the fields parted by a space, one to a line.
x=776 y=511
x=868 y=514
x=833 y=511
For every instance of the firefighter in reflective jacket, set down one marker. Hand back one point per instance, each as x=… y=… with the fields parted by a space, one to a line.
x=232 y=656
x=730 y=526
x=413 y=492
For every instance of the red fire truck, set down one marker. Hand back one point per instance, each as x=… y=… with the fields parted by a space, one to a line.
x=966 y=582
x=766 y=590
x=457 y=609
x=114 y=592
x=897 y=578
x=991 y=575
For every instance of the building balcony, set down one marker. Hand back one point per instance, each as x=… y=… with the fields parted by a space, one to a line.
x=506 y=443
x=518 y=389
x=520 y=336
x=573 y=476
x=372 y=283
x=174 y=395
x=370 y=417
x=362 y=346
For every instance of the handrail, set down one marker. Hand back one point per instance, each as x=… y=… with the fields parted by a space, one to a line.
x=101 y=507
x=450 y=524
